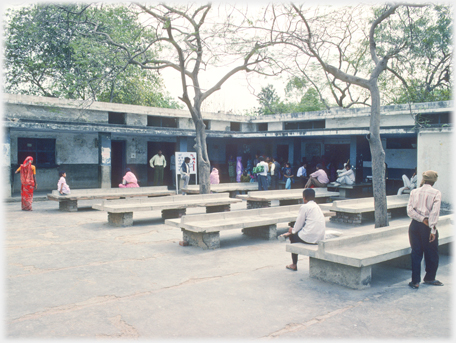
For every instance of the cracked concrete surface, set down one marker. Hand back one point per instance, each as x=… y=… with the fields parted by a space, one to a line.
x=71 y=275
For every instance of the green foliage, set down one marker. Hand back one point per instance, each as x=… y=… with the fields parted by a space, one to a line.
x=52 y=50
x=422 y=71
x=270 y=102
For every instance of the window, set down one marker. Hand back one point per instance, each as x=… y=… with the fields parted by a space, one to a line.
x=116 y=118
x=41 y=149
x=401 y=143
x=234 y=126
x=437 y=119
x=161 y=121
x=263 y=127
x=305 y=125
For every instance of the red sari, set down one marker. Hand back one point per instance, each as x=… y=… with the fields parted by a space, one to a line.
x=28 y=184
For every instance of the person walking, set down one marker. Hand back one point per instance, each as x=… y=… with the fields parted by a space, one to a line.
x=28 y=183
x=424 y=209
x=158 y=163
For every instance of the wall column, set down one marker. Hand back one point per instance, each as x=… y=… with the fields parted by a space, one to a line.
x=353 y=146
x=104 y=159
x=7 y=163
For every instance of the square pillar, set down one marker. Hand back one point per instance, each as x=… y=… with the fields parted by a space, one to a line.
x=120 y=219
x=68 y=205
x=6 y=165
x=104 y=158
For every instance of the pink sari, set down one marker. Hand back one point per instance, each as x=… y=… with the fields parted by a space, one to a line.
x=214 y=177
x=131 y=181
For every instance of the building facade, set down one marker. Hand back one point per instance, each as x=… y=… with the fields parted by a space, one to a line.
x=94 y=142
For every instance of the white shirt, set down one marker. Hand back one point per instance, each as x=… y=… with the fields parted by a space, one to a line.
x=302 y=172
x=424 y=202
x=265 y=168
x=310 y=224
x=349 y=173
x=272 y=169
x=158 y=161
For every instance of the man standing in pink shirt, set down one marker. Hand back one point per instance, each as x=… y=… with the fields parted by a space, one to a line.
x=318 y=178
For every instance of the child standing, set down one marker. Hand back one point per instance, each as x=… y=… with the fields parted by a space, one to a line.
x=62 y=186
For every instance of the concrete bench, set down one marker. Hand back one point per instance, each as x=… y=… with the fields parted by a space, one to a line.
x=120 y=212
x=204 y=230
x=261 y=199
x=352 y=191
x=70 y=202
x=357 y=211
x=348 y=260
x=232 y=188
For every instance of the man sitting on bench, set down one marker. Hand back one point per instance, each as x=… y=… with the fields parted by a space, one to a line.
x=309 y=227
x=346 y=176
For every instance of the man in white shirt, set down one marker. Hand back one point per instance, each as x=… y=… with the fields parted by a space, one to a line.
x=158 y=163
x=263 y=176
x=309 y=226
x=408 y=183
x=346 y=176
x=424 y=209
x=302 y=174
x=275 y=170
x=185 y=173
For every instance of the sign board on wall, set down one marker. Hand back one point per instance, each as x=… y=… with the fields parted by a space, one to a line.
x=179 y=158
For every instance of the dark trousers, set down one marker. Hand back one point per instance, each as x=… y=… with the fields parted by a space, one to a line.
x=419 y=241
x=262 y=183
x=294 y=238
x=158 y=175
x=274 y=181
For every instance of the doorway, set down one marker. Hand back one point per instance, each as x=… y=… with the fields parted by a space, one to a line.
x=282 y=153
x=168 y=149
x=118 y=162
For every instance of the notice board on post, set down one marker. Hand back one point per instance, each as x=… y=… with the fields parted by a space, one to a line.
x=179 y=158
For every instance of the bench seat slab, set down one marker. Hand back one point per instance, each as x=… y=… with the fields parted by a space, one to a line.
x=348 y=276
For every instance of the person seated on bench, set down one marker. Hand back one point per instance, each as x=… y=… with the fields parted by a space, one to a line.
x=62 y=186
x=309 y=226
x=214 y=178
x=318 y=178
x=129 y=180
x=346 y=176
x=408 y=183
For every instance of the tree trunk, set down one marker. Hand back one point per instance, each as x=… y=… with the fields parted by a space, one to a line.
x=378 y=161
x=204 y=164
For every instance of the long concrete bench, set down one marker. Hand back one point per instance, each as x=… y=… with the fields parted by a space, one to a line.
x=204 y=230
x=232 y=188
x=357 y=211
x=356 y=190
x=70 y=202
x=261 y=199
x=348 y=260
x=120 y=212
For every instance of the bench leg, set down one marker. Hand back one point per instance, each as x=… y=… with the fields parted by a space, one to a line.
x=268 y=232
x=257 y=204
x=176 y=213
x=120 y=219
x=220 y=208
x=205 y=240
x=348 y=276
x=290 y=202
x=68 y=205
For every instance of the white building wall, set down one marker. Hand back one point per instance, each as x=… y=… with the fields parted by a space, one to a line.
x=434 y=153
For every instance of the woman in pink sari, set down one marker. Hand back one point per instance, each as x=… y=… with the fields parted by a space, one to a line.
x=28 y=182
x=129 y=180
x=214 y=177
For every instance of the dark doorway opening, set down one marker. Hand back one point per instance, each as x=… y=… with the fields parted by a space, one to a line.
x=338 y=154
x=168 y=149
x=118 y=162
x=282 y=154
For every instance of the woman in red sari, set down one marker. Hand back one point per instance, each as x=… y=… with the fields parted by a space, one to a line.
x=28 y=181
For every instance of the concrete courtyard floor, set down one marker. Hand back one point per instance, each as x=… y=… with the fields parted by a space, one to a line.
x=71 y=275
